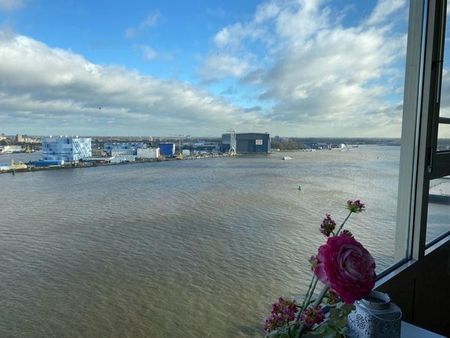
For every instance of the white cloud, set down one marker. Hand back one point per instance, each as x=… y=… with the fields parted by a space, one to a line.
x=317 y=76
x=56 y=91
x=230 y=36
x=218 y=66
x=308 y=73
x=150 y=21
x=275 y=25
x=9 y=5
x=266 y=11
x=296 y=24
x=148 y=53
x=384 y=9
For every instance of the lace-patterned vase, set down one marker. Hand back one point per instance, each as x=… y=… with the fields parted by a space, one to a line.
x=374 y=317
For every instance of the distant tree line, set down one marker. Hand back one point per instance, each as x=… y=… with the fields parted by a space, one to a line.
x=286 y=143
x=294 y=143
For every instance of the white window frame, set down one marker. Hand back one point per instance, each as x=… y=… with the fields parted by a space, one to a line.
x=419 y=160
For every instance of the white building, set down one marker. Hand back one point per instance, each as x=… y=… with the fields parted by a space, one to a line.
x=11 y=149
x=148 y=153
x=65 y=148
x=123 y=148
x=123 y=159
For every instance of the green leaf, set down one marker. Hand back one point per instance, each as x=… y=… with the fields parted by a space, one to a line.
x=323 y=331
x=291 y=331
x=338 y=316
x=276 y=334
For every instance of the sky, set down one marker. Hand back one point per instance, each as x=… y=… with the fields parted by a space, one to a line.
x=305 y=68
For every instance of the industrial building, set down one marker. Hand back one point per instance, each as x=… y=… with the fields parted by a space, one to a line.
x=68 y=149
x=19 y=138
x=228 y=143
x=48 y=163
x=123 y=159
x=246 y=143
x=123 y=148
x=206 y=147
x=148 y=153
x=167 y=149
x=11 y=149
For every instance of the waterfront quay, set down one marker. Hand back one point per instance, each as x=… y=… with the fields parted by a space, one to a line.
x=30 y=167
x=66 y=152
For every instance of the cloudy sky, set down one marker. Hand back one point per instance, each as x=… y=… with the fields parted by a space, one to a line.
x=288 y=67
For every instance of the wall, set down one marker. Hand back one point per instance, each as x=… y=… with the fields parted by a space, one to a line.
x=252 y=143
x=423 y=291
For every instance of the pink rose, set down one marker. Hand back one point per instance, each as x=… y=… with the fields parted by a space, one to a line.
x=346 y=267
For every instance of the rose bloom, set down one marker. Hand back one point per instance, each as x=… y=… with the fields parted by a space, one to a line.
x=347 y=267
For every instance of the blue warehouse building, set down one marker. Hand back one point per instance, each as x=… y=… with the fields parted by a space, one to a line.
x=167 y=149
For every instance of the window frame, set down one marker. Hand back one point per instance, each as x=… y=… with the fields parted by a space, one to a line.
x=420 y=162
x=437 y=162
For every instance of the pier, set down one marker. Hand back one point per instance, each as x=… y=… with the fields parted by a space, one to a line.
x=30 y=167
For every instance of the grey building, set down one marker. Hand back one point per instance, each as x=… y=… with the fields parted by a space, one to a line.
x=247 y=143
x=252 y=143
x=228 y=143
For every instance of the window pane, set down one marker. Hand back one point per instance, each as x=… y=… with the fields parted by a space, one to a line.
x=438 y=208
x=445 y=95
x=444 y=128
x=200 y=246
x=443 y=137
x=438 y=222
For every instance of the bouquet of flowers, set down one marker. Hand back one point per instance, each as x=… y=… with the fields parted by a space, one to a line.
x=347 y=271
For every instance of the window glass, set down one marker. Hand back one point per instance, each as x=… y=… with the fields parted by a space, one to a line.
x=439 y=194
x=443 y=135
x=444 y=112
x=438 y=208
x=197 y=242
x=445 y=97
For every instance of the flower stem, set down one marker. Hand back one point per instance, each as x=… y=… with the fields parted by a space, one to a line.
x=343 y=223
x=306 y=297
x=313 y=284
x=315 y=304
x=321 y=295
x=308 y=301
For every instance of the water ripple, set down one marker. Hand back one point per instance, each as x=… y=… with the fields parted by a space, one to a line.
x=178 y=249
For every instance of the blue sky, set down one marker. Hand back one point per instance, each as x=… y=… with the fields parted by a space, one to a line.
x=289 y=67
x=120 y=33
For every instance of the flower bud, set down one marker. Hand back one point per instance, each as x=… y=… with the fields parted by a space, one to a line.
x=327 y=226
x=355 y=206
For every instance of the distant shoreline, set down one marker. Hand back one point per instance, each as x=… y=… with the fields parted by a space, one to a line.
x=80 y=165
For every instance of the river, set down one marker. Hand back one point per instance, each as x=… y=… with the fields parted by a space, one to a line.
x=195 y=248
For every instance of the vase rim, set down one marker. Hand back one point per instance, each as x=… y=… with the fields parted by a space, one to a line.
x=377 y=300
